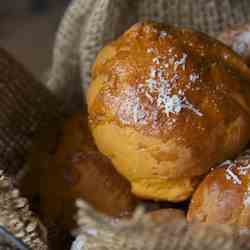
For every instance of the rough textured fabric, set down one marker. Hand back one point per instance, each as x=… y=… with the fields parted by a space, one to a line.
x=17 y=218
x=99 y=232
x=86 y=27
x=27 y=106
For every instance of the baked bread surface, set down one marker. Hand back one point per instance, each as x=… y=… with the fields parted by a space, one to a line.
x=223 y=197
x=167 y=104
x=77 y=170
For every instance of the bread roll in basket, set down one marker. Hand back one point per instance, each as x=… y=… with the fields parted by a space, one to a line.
x=166 y=105
x=28 y=108
x=223 y=196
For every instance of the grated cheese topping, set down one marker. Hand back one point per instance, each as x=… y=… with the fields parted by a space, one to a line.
x=237 y=169
x=159 y=91
x=130 y=110
x=170 y=103
x=194 y=77
x=230 y=175
x=227 y=162
x=175 y=103
x=163 y=34
x=182 y=61
x=243 y=169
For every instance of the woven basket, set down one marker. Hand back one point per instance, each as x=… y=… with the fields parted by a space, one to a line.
x=28 y=107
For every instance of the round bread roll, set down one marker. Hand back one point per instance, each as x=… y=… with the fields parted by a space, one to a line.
x=167 y=216
x=223 y=197
x=165 y=105
x=76 y=169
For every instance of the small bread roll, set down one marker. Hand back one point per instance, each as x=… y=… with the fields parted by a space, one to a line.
x=167 y=216
x=223 y=197
x=167 y=104
x=75 y=169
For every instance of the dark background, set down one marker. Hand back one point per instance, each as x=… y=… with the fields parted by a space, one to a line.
x=27 y=30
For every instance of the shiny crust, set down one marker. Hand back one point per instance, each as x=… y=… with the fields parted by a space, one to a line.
x=223 y=197
x=167 y=104
x=76 y=169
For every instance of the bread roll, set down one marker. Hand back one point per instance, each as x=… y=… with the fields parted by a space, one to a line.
x=223 y=197
x=75 y=169
x=167 y=104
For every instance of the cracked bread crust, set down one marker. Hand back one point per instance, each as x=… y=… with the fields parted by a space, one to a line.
x=167 y=104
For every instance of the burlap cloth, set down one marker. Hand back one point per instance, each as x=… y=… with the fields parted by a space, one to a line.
x=27 y=107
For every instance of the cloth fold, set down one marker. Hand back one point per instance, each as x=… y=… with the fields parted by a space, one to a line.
x=27 y=106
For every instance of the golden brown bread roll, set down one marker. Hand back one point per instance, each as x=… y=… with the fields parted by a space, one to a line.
x=167 y=216
x=223 y=197
x=165 y=105
x=77 y=170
